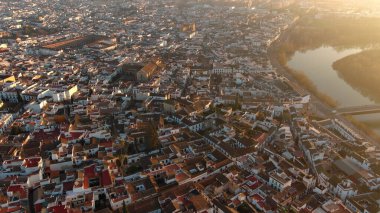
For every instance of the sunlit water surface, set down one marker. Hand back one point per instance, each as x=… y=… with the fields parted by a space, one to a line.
x=317 y=65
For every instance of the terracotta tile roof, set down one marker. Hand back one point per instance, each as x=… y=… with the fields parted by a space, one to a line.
x=68 y=186
x=31 y=162
x=57 y=209
x=43 y=136
x=10 y=209
x=18 y=190
x=89 y=171
x=106 y=178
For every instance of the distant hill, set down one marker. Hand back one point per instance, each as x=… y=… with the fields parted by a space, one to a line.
x=312 y=32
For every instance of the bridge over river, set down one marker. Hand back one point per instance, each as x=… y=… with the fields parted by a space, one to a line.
x=358 y=110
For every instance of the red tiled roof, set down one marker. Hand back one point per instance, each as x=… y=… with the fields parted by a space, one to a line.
x=37 y=207
x=106 y=178
x=18 y=189
x=31 y=162
x=71 y=135
x=119 y=182
x=10 y=209
x=68 y=186
x=58 y=209
x=261 y=138
x=254 y=183
x=107 y=144
x=257 y=198
x=89 y=171
x=236 y=202
x=181 y=177
x=171 y=168
x=298 y=154
x=45 y=136
x=261 y=204
x=252 y=178
x=122 y=197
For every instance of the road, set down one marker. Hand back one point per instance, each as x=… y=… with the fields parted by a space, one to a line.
x=316 y=106
x=357 y=110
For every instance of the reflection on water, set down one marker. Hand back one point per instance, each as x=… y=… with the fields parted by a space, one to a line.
x=371 y=120
x=317 y=65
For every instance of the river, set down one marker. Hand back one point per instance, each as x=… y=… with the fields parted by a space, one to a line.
x=317 y=65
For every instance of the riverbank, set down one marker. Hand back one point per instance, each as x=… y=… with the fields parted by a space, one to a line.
x=279 y=54
x=279 y=57
x=364 y=128
x=319 y=105
x=362 y=72
x=312 y=31
x=308 y=84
